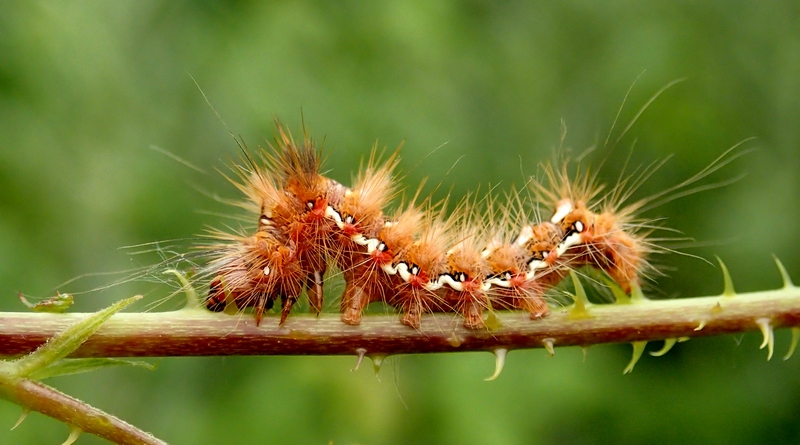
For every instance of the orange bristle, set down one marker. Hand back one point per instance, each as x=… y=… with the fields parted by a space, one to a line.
x=418 y=267
x=253 y=272
x=367 y=281
x=463 y=281
x=301 y=212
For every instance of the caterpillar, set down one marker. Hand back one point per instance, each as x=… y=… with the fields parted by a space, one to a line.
x=418 y=259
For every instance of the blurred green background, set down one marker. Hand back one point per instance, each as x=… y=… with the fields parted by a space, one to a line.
x=88 y=89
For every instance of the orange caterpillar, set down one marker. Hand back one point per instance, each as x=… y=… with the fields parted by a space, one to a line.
x=415 y=259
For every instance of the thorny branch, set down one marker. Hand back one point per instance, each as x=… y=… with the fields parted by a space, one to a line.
x=193 y=331
x=196 y=332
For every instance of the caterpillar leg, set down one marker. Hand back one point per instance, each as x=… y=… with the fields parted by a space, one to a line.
x=216 y=300
x=314 y=290
x=412 y=314
x=472 y=311
x=535 y=305
x=354 y=300
x=286 y=306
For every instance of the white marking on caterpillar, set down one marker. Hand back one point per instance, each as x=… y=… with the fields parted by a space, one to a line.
x=331 y=213
x=563 y=209
x=525 y=235
x=569 y=242
x=448 y=280
x=499 y=282
x=402 y=269
x=533 y=267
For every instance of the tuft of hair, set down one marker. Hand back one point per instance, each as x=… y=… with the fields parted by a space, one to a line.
x=424 y=260
x=614 y=235
x=361 y=209
x=466 y=268
x=251 y=272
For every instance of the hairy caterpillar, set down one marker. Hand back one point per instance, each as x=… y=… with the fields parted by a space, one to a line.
x=418 y=259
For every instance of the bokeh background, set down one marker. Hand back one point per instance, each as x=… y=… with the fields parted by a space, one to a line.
x=92 y=94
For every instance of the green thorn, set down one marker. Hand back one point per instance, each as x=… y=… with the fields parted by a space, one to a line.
x=23 y=416
x=492 y=321
x=787 y=280
x=192 y=300
x=769 y=336
x=74 y=433
x=701 y=325
x=68 y=340
x=549 y=344
x=585 y=349
x=795 y=338
x=580 y=308
x=499 y=362
x=668 y=344
x=620 y=297
x=728 y=290
x=638 y=349
x=454 y=340
x=377 y=362
x=636 y=293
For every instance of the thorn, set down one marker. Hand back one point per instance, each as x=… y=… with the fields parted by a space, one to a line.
x=728 y=290
x=361 y=353
x=769 y=336
x=25 y=412
x=795 y=338
x=192 y=300
x=492 y=321
x=548 y=344
x=636 y=293
x=638 y=349
x=377 y=361
x=620 y=297
x=580 y=308
x=668 y=344
x=499 y=363
x=787 y=280
x=74 y=433
x=585 y=350
x=454 y=340
x=683 y=339
x=717 y=308
x=701 y=325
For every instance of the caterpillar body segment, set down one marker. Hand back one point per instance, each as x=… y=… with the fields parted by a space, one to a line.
x=302 y=212
x=293 y=232
x=522 y=271
x=463 y=283
x=376 y=275
x=359 y=221
x=253 y=272
x=419 y=266
x=602 y=241
x=463 y=286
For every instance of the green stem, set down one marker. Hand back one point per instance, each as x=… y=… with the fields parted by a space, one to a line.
x=201 y=333
x=35 y=396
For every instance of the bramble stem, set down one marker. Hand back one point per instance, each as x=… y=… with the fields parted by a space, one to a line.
x=35 y=396
x=196 y=332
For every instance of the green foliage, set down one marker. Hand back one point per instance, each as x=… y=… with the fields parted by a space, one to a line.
x=86 y=89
